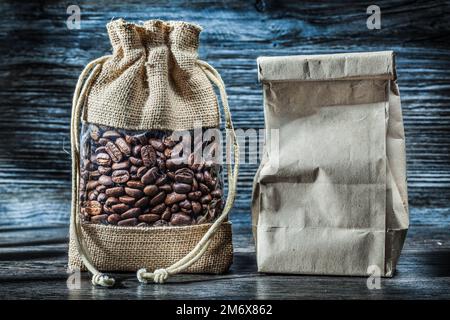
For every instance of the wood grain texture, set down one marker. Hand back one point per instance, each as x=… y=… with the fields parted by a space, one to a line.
x=41 y=59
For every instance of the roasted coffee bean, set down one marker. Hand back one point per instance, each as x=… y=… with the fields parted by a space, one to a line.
x=121 y=165
x=209 y=181
x=136 y=151
x=169 y=142
x=181 y=187
x=135 y=184
x=104 y=170
x=199 y=176
x=113 y=218
x=93 y=195
x=157 y=144
x=184 y=175
x=194 y=184
x=100 y=188
x=150 y=176
x=130 y=139
x=120 y=176
x=106 y=181
x=135 y=161
x=175 y=208
x=166 y=188
x=148 y=155
x=128 y=222
x=203 y=188
x=103 y=159
x=134 y=170
x=175 y=163
x=141 y=171
x=101 y=197
x=160 y=223
x=173 y=198
x=163 y=179
x=131 y=213
x=157 y=199
x=94 y=174
x=159 y=209
x=149 y=218
x=135 y=193
x=142 y=202
x=115 y=192
x=206 y=199
x=166 y=214
x=123 y=146
x=111 y=201
x=107 y=209
x=171 y=175
x=92 y=185
x=93 y=208
x=113 y=152
x=178 y=219
x=196 y=195
x=120 y=208
x=111 y=134
x=167 y=152
x=151 y=190
x=103 y=141
x=99 y=218
x=101 y=149
x=217 y=193
x=161 y=164
x=196 y=207
x=127 y=200
x=186 y=211
x=185 y=204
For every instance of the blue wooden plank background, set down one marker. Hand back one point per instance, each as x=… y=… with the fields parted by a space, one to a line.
x=41 y=59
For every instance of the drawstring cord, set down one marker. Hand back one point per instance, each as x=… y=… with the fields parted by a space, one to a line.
x=159 y=275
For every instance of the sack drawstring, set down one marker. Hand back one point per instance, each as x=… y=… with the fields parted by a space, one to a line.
x=159 y=275
x=81 y=90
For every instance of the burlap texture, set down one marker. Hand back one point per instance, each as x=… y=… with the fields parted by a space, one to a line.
x=152 y=80
x=114 y=248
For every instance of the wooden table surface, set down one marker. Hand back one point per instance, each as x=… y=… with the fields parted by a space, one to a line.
x=41 y=59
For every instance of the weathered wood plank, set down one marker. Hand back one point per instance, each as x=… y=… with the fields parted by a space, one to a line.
x=41 y=60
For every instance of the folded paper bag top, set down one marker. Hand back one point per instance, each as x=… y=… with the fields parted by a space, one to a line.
x=330 y=195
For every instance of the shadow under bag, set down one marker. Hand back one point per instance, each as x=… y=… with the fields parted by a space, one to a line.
x=330 y=195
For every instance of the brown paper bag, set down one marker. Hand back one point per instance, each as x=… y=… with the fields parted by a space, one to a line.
x=330 y=195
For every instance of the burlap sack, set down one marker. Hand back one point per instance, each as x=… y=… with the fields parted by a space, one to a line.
x=153 y=80
x=330 y=195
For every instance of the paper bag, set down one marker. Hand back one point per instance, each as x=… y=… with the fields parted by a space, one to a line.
x=330 y=195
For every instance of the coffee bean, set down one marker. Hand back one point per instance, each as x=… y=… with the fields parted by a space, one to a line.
x=131 y=213
x=92 y=185
x=104 y=170
x=107 y=209
x=178 y=219
x=150 y=176
x=157 y=144
x=120 y=208
x=93 y=208
x=120 y=176
x=175 y=163
x=113 y=218
x=142 y=202
x=99 y=218
x=100 y=188
x=115 y=192
x=94 y=174
x=142 y=225
x=135 y=161
x=135 y=193
x=135 y=184
x=166 y=188
x=196 y=207
x=196 y=195
x=175 y=208
x=209 y=181
x=160 y=223
x=174 y=198
x=206 y=199
x=93 y=195
x=184 y=175
x=157 y=199
x=101 y=149
x=127 y=200
x=111 y=201
x=203 y=188
x=181 y=187
x=166 y=215
x=136 y=151
x=169 y=142
x=199 y=176
x=123 y=146
x=148 y=156
x=217 y=193
x=128 y=222
x=106 y=181
x=103 y=141
x=185 y=204
x=149 y=218
x=121 y=165
x=113 y=152
x=151 y=190
x=141 y=171
x=159 y=209
x=111 y=134
x=101 y=197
